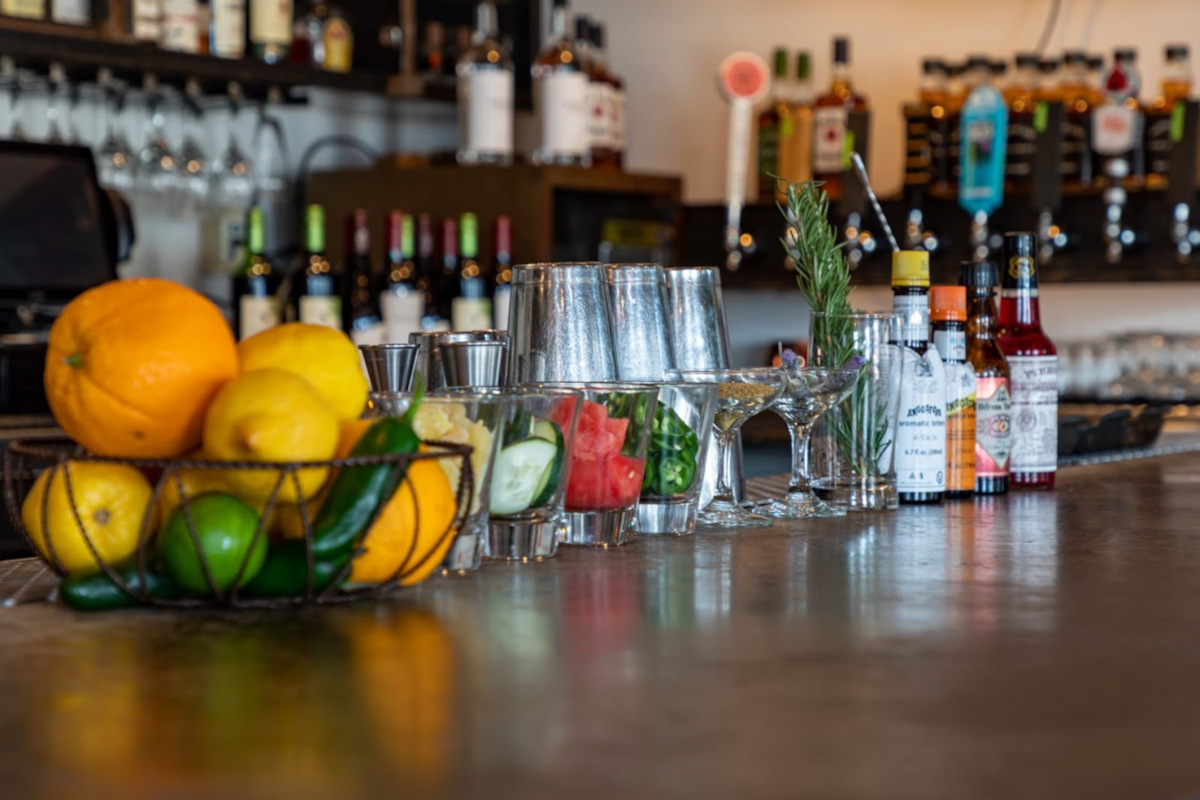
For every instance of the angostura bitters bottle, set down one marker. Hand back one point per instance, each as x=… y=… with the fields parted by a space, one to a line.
x=993 y=393
x=920 y=432
x=1033 y=363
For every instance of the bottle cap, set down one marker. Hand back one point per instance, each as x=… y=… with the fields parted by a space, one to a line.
x=999 y=67
x=803 y=65
x=979 y=275
x=395 y=228
x=932 y=66
x=948 y=303
x=781 y=62
x=502 y=235
x=1074 y=57
x=1125 y=54
x=978 y=61
x=1174 y=51
x=841 y=50
x=582 y=28
x=1095 y=62
x=1047 y=65
x=1027 y=59
x=910 y=268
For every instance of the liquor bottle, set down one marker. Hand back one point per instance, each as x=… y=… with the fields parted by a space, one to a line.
x=560 y=88
x=485 y=95
x=447 y=272
x=308 y=36
x=502 y=269
x=360 y=308
x=337 y=42
x=471 y=307
x=146 y=24
x=921 y=418
x=993 y=393
x=180 y=26
x=317 y=299
x=769 y=122
x=403 y=301
x=948 y=312
x=255 y=306
x=428 y=266
x=612 y=144
x=830 y=118
x=1076 y=96
x=1117 y=124
x=983 y=140
x=920 y=120
x=1021 y=97
x=795 y=142
x=1160 y=113
x=1033 y=365
x=204 y=23
x=432 y=56
x=227 y=39
x=270 y=29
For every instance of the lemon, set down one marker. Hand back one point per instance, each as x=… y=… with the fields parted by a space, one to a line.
x=194 y=481
x=111 y=500
x=324 y=357
x=271 y=416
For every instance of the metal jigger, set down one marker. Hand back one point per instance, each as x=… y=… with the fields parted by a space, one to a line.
x=389 y=366
x=430 y=359
x=700 y=340
x=637 y=294
x=474 y=364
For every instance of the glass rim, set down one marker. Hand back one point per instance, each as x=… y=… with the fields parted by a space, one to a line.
x=598 y=386
x=381 y=346
x=558 y=272
x=467 y=393
x=879 y=315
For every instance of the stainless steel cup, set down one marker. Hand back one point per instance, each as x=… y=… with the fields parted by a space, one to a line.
x=473 y=364
x=637 y=294
x=700 y=340
x=429 y=352
x=389 y=366
x=561 y=325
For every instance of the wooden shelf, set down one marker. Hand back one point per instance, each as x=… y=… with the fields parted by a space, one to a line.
x=82 y=52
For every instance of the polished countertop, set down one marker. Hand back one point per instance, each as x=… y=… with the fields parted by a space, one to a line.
x=1034 y=645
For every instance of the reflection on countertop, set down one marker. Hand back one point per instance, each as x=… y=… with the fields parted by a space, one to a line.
x=908 y=654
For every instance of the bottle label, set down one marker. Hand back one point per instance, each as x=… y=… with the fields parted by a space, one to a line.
x=921 y=423
x=71 y=12
x=228 y=28
x=257 y=314
x=620 y=132
x=993 y=427
x=1034 y=413
x=271 y=21
x=829 y=139
x=1019 y=273
x=402 y=313
x=147 y=20
x=180 y=26
x=951 y=345
x=914 y=316
x=960 y=427
x=471 y=314
x=321 y=310
x=563 y=111
x=30 y=9
x=502 y=300
x=599 y=115
x=486 y=111
x=982 y=145
x=1114 y=129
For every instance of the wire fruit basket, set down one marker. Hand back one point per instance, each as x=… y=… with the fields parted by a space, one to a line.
x=316 y=577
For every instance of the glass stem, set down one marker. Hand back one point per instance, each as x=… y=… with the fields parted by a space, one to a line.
x=799 y=435
x=724 y=488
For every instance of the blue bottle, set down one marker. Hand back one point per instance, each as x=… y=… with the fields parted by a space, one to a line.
x=983 y=142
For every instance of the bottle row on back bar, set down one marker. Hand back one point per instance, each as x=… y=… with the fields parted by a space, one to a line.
x=419 y=287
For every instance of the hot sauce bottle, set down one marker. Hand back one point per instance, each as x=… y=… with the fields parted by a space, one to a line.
x=1033 y=363
x=993 y=393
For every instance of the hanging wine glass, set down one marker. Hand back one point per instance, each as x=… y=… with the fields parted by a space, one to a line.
x=158 y=167
x=58 y=106
x=11 y=80
x=194 y=179
x=233 y=174
x=114 y=162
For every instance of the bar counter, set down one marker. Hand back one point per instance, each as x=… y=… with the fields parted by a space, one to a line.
x=1034 y=645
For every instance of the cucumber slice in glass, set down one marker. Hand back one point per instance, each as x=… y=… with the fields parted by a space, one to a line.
x=519 y=473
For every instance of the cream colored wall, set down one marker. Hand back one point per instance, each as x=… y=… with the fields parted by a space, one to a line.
x=669 y=51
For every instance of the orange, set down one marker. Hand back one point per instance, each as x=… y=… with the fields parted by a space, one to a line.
x=395 y=541
x=133 y=364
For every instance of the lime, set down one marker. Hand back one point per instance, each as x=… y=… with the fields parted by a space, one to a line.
x=225 y=528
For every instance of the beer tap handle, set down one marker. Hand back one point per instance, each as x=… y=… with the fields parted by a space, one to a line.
x=1181 y=179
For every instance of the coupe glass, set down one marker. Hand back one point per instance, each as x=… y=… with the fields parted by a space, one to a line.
x=808 y=393
x=741 y=393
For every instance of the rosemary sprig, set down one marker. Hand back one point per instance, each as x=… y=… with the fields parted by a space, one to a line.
x=823 y=277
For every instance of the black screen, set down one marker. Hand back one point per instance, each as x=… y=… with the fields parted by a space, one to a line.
x=53 y=234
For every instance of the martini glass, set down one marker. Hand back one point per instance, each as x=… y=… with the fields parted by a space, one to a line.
x=808 y=393
x=741 y=393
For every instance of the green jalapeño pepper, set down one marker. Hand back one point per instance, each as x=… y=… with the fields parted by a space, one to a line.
x=671 y=457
